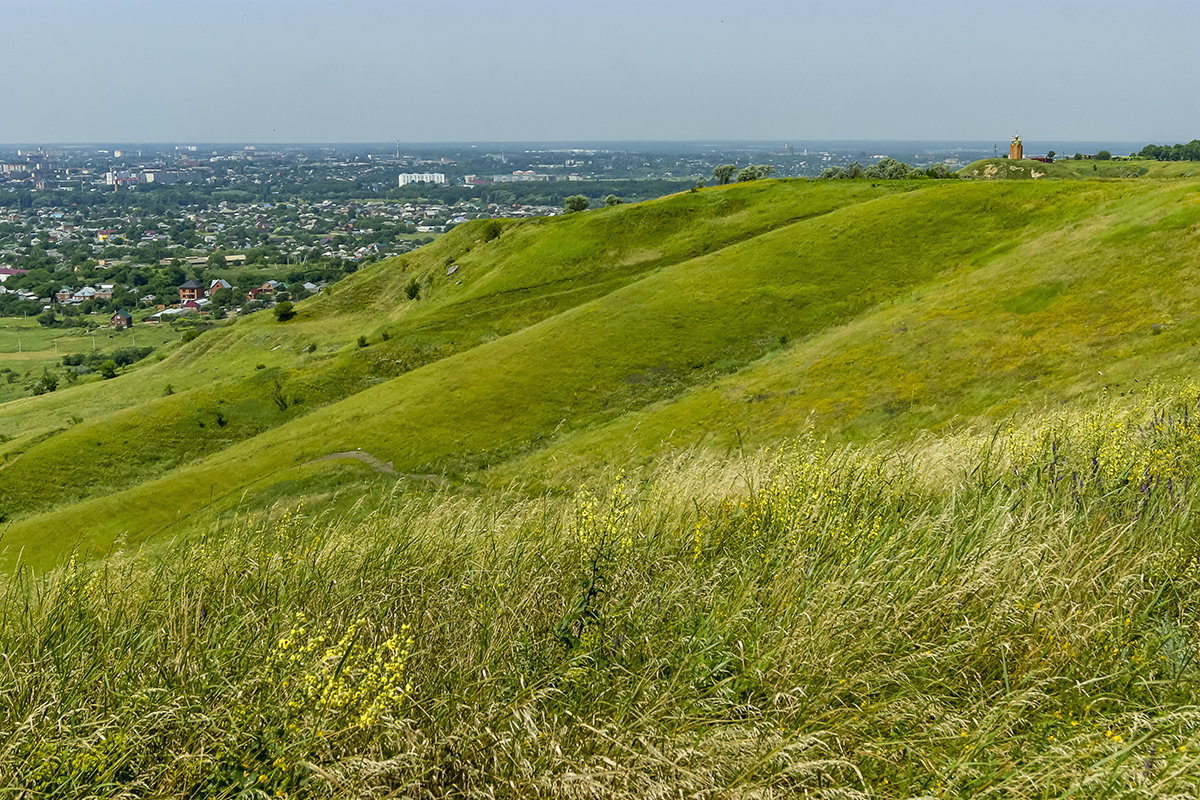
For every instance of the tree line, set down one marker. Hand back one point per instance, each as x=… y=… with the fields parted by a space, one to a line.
x=725 y=172
x=1174 y=152
x=888 y=169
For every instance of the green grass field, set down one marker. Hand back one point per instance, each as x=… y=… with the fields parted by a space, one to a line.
x=788 y=488
x=27 y=348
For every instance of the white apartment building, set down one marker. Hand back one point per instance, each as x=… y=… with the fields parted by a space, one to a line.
x=421 y=177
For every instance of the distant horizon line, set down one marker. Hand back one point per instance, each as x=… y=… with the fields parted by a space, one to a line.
x=562 y=142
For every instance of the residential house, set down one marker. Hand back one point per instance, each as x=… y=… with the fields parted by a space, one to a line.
x=121 y=319
x=191 y=289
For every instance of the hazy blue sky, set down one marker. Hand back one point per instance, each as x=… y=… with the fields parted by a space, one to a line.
x=440 y=70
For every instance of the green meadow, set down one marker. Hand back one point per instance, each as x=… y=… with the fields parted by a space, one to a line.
x=27 y=348
x=782 y=488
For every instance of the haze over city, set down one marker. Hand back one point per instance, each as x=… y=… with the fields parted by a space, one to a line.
x=535 y=70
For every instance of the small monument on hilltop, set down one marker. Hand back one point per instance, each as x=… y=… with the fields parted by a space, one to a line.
x=1016 y=150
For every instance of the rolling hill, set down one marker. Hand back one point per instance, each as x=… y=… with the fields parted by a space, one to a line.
x=536 y=350
x=1084 y=169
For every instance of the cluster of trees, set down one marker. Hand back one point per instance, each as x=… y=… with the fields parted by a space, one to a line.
x=888 y=169
x=1175 y=152
x=121 y=357
x=579 y=202
x=725 y=172
x=48 y=319
x=76 y=364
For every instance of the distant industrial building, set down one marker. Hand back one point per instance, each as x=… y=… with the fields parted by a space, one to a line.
x=521 y=176
x=421 y=177
x=118 y=177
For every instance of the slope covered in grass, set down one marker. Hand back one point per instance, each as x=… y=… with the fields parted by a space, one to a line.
x=728 y=315
x=1010 y=616
x=1101 y=303
x=239 y=381
x=1089 y=169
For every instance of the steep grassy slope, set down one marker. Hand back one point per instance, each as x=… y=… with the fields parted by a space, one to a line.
x=1102 y=303
x=731 y=313
x=243 y=380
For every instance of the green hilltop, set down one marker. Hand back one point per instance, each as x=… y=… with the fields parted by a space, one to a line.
x=536 y=351
x=1084 y=169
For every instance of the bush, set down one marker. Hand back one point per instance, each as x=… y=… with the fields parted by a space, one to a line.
x=754 y=172
x=285 y=311
x=575 y=202
x=48 y=382
x=122 y=357
x=413 y=289
x=491 y=230
x=362 y=341
x=108 y=369
x=125 y=356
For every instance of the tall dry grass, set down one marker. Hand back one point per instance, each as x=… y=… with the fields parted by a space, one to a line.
x=1012 y=615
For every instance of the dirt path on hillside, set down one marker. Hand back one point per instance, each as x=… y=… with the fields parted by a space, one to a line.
x=379 y=465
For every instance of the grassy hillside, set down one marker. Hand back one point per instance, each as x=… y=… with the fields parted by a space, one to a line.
x=1102 y=303
x=729 y=316
x=242 y=380
x=1026 y=169
x=1011 y=615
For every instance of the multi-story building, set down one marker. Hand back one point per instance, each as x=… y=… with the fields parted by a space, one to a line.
x=421 y=177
